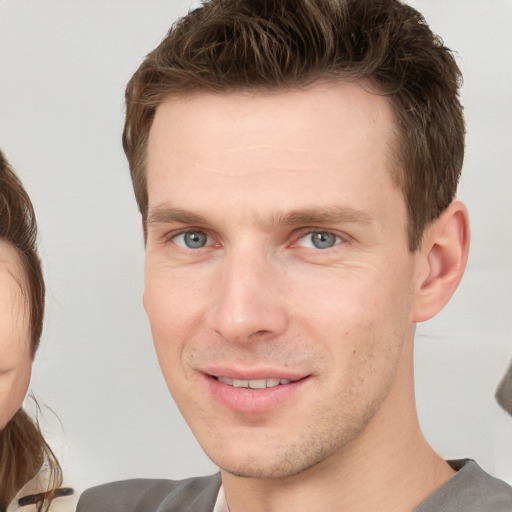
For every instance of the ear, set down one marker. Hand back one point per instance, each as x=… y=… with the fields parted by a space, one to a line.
x=442 y=260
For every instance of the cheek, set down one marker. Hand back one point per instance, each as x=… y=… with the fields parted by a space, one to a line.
x=15 y=359
x=171 y=302
x=13 y=388
x=345 y=300
x=174 y=309
x=357 y=315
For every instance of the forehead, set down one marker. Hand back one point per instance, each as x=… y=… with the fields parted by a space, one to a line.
x=12 y=280
x=294 y=140
x=328 y=108
x=10 y=262
x=11 y=267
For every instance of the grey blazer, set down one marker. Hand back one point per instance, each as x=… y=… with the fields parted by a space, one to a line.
x=470 y=490
x=145 y=495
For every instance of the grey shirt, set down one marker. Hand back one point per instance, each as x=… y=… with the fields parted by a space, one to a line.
x=470 y=490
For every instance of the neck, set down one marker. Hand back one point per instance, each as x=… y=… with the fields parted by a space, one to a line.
x=390 y=467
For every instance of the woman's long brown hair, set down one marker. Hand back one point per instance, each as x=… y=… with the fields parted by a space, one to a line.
x=23 y=450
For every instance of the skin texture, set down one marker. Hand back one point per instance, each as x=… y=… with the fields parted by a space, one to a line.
x=255 y=176
x=15 y=355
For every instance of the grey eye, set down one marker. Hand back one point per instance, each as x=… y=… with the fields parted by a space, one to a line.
x=192 y=239
x=323 y=240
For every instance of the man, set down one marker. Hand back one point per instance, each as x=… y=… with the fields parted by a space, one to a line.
x=295 y=164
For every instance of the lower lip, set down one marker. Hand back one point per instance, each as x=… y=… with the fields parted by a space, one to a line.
x=253 y=401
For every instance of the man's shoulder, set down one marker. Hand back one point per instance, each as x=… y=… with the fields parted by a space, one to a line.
x=470 y=489
x=147 y=495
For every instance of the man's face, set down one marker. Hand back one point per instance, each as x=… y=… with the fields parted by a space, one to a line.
x=279 y=285
x=15 y=353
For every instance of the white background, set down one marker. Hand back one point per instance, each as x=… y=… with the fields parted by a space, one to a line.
x=63 y=68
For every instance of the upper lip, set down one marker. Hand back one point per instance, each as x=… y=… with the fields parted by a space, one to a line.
x=254 y=373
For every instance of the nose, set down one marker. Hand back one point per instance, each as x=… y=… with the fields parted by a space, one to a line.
x=249 y=304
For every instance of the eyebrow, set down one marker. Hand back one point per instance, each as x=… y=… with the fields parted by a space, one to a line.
x=167 y=215
x=328 y=215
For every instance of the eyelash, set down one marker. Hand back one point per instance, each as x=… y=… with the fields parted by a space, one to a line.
x=339 y=239
x=173 y=236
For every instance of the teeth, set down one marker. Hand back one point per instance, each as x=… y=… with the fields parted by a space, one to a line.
x=258 y=384
x=253 y=384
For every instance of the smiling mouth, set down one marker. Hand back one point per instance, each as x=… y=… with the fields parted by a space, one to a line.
x=254 y=383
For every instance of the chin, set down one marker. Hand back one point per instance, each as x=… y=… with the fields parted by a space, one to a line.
x=261 y=471
x=270 y=464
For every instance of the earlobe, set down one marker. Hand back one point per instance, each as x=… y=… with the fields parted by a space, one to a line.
x=443 y=255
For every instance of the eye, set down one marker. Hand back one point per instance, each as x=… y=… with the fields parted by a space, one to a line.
x=191 y=239
x=319 y=240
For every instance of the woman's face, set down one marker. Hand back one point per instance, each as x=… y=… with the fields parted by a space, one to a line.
x=15 y=351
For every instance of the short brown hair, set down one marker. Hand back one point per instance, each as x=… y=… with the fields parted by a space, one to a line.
x=227 y=45
x=23 y=449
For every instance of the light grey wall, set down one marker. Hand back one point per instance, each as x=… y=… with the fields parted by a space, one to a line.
x=63 y=67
